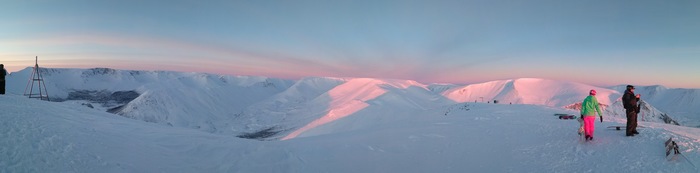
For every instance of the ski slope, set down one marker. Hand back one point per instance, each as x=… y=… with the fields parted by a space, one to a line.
x=40 y=136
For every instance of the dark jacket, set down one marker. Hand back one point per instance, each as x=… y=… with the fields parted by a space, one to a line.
x=3 y=73
x=629 y=100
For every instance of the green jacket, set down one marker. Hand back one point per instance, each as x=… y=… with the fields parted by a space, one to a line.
x=589 y=106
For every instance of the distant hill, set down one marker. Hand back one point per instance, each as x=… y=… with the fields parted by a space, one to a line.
x=268 y=108
x=570 y=94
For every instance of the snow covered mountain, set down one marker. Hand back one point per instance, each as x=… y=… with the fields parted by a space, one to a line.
x=251 y=107
x=569 y=95
x=529 y=91
x=271 y=109
x=194 y=122
x=40 y=136
x=194 y=100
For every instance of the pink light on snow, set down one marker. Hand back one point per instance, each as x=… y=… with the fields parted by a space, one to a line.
x=349 y=98
x=530 y=91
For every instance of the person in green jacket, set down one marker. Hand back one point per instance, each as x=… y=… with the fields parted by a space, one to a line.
x=588 y=109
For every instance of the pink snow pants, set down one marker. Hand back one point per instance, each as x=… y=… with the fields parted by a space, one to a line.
x=588 y=125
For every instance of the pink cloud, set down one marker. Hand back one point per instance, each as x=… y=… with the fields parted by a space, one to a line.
x=165 y=52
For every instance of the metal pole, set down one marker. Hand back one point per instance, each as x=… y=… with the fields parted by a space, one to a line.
x=38 y=79
x=29 y=83
x=31 y=88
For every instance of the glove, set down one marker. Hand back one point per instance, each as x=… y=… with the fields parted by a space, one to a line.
x=601 y=119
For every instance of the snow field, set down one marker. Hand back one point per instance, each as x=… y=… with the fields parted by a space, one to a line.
x=470 y=138
x=188 y=122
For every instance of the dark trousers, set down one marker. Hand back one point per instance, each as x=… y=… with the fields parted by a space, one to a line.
x=631 y=121
x=2 y=87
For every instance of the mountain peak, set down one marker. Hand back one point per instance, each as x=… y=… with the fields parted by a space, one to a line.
x=529 y=91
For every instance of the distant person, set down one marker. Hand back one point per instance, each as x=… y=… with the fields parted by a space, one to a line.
x=588 y=109
x=629 y=101
x=3 y=73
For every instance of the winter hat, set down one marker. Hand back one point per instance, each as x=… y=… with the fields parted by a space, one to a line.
x=630 y=87
x=593 y=92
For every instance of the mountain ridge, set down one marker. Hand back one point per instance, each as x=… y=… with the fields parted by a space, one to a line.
x=40 y=136
x=235 y=104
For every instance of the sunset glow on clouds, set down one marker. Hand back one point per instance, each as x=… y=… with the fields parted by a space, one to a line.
x=594 y=42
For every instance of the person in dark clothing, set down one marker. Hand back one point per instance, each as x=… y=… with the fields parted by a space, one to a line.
x=629 y=101
x=3 y=73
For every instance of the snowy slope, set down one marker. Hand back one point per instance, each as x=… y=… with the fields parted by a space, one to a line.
x=60 y=82
x=39 y=136
x=363 y=94
x=203 y=102
x=571 y=94
x=235 y=105
x=269 y=109
x=194 y=100
x=530 y=91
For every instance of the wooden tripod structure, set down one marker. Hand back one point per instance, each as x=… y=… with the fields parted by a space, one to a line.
x=36 y=78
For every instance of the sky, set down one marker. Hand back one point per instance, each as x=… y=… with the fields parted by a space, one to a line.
x=603 y=43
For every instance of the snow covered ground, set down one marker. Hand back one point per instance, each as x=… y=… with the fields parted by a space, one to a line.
x=245 y=105
x=39 y=136
x=189 y=122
